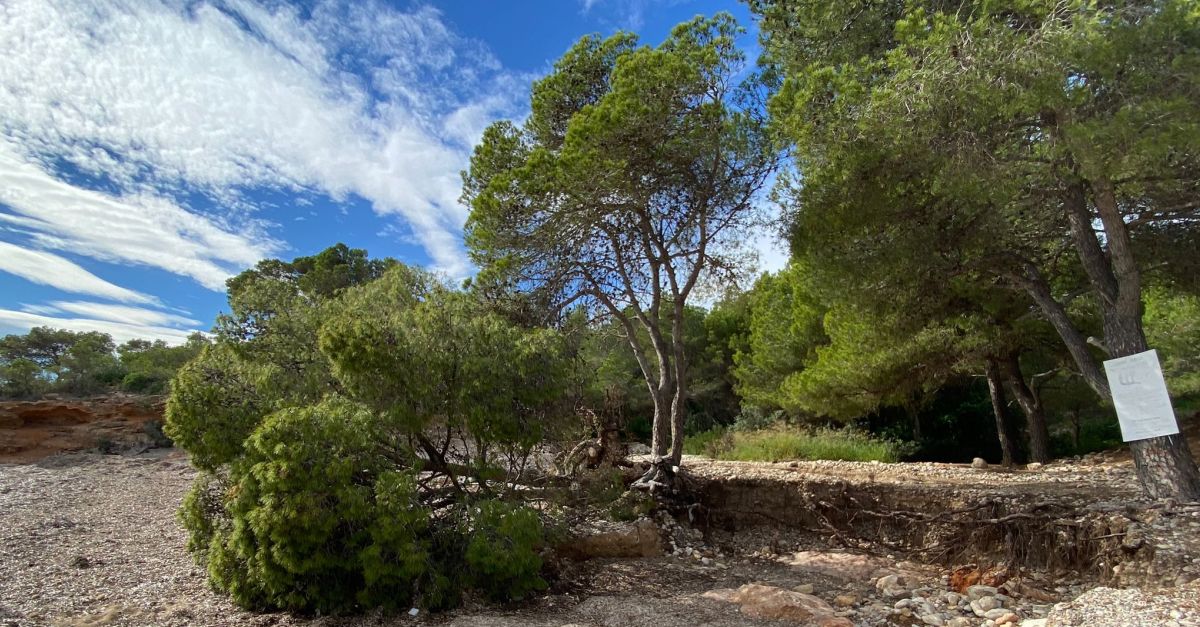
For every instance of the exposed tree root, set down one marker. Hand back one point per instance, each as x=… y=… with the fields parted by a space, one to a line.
x=1044 y=535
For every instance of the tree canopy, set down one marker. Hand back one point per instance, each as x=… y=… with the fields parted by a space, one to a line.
x=630 y=186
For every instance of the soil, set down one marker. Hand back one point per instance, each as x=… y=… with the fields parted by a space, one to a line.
x=90 y=539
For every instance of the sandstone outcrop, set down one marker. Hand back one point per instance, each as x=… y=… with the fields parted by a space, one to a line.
x=32 y=430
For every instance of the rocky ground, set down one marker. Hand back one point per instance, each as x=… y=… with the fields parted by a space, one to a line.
x=89 y=539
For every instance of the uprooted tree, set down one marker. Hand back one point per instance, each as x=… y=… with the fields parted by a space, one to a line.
x=369 y=463
x=632 y=183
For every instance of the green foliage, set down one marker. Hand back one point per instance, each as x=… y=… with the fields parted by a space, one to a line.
x=67 y=362
x=1173 y=328
x=501 y=553
x=784 y=444
x=595 y=201
x=784 y=330
x=445 y=358
x=711 y=338
x=319 y=521
x=149 y=366
x=143 y=383
x=21 y=378
x=333 y=386
x=203 y=514
x=216 y=401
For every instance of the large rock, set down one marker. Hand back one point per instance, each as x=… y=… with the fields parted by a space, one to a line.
x=852 y=567
x=636 y=539
x=773 y=603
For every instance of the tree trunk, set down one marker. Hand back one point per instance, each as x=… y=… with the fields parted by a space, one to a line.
x=679 y=403
x=660 y=444
x=1004 y=430
x=1031 y=406
x=1089 y=368
x=1165 y=466
x=1076 y=427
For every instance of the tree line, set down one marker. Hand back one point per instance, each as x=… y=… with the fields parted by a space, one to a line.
x=59 y=361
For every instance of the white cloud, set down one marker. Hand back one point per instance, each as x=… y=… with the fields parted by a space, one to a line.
x=22 y=321
x=50 y=269
x=121 y=313
x=142 y=230
x=166 y=97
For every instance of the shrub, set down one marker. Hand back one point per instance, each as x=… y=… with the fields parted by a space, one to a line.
x=215 y=403
x=319 y=521
x=144 y=383
x=154 y=430
x=501 y=555
x=311 y=500
x=781 y=444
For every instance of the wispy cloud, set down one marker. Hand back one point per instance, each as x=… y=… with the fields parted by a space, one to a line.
x=120 y=331
x=50 y=269
x=164 y=99
x=121 y=313
x=138 y=229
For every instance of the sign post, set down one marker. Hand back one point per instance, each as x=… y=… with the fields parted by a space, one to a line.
x=1140 y=395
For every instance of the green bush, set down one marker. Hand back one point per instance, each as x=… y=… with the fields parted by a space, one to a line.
x=215 y=403
x=318 y=519
x=782 y=444
x=501 y=556
x=311 y=500
x=144 y=383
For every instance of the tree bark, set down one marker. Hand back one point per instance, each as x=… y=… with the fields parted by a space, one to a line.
x=679 y=403
x=1089 y=368
x=1165 y=466
x=1004 y=429
x=1031 y=405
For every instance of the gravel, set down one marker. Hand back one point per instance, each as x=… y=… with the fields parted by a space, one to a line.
x=92 y=540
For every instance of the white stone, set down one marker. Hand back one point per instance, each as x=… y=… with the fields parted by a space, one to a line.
x=988 y=603
x=993 y=614
x=978 y=592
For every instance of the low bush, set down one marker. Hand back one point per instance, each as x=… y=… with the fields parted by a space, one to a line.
x=326 y=496
x=782 y=444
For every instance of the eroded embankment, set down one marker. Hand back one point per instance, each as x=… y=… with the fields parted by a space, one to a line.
x=32 y=430
x=1088 y=519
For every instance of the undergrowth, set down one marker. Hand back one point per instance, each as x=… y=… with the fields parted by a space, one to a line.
x=783 y=444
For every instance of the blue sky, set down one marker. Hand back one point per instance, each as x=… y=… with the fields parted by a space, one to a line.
x=149 y=150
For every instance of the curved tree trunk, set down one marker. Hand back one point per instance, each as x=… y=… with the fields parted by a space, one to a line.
x=1165 y=466
x=1031 y=405
x=1004 y=427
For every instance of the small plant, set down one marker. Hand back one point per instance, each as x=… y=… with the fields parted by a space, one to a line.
x=107 y=446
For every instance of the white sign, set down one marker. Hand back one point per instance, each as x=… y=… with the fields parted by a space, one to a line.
x=1140 y=394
